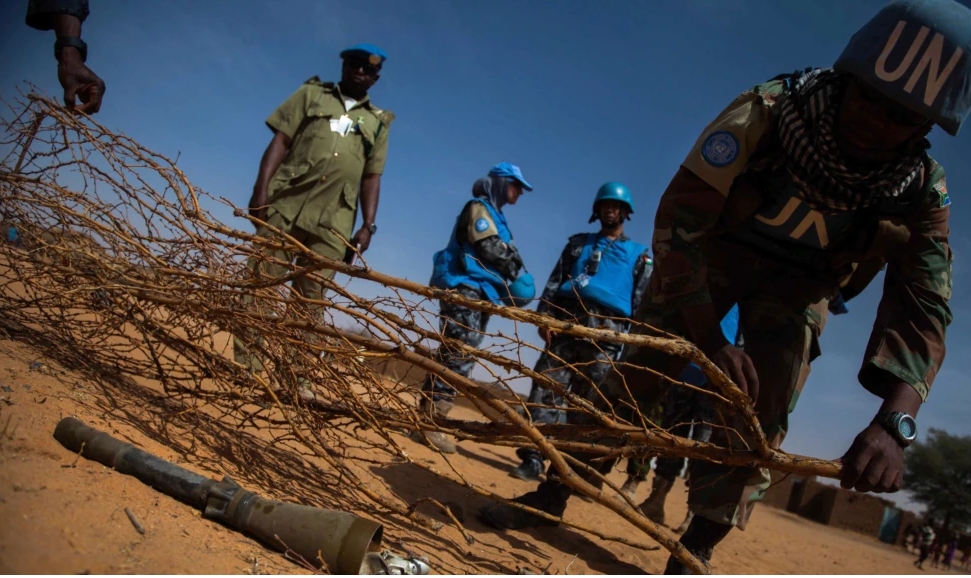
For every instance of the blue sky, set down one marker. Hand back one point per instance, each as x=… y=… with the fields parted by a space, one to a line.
x=576 y=93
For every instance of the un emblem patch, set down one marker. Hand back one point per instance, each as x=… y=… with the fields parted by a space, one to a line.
x=481 y=225
x=720 y=149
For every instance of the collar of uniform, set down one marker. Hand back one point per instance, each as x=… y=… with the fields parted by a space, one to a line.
x=622 y=237
x=335 y=89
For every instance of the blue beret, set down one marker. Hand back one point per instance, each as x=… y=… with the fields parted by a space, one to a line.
x=374 y=54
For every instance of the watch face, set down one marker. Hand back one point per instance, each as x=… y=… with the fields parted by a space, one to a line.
x=907 y=427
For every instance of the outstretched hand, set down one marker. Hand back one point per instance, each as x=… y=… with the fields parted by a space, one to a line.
x=874 y=463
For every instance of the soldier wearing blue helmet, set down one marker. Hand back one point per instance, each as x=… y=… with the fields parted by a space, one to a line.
x=480 y=262
x=598 y=282
x=799 y=184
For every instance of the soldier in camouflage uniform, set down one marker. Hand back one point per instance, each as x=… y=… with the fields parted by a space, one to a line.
x=796 y=184
x=329 y=148
x=481 y=262
x=598 y=282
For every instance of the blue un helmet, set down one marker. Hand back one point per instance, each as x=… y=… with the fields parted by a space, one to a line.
x=521 y=291
x=916 y=53
x=511 y=171
x=612 y=191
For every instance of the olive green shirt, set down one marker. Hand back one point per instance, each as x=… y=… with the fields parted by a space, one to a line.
x=318 y=183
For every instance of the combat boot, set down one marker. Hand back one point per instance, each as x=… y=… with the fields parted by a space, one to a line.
x=684 y=525
x=653 y=506
x=549 y=497
x=700 y=539
x=444 y=443
x=532 y=466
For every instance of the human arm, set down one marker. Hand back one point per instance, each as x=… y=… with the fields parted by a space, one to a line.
x=79 y=82
x=272 y=158
x=688 y=209
x=370 y=193
x=284 y=122
x=907 y=343
x=504 y=257
x=478 y=228
x=563 y=265
x=642 y=276
x=690 y=206
x=371 y=181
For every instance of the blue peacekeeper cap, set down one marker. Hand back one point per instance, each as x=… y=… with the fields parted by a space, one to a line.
x=916 y=53
x=373 y=54
x=512 y=171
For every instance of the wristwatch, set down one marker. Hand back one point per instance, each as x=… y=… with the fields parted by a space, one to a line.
x=900 y=425
x=70 y=42
x=371 y=227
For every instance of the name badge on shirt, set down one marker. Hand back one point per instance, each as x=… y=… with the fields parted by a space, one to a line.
x=342 y=125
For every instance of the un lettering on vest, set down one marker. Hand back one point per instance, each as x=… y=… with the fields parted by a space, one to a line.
x=929 y=62
x=791 y=219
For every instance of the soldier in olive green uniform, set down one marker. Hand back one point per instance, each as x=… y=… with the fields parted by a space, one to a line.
x=329 y=147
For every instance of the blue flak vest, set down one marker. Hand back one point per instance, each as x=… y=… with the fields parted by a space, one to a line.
x=692 y=373
x=612 y=286
x=457 y=264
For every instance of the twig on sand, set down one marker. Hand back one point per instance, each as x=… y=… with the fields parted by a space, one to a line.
x=134 y=521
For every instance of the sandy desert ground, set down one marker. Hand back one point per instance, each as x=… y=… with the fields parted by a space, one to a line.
x=62 y=514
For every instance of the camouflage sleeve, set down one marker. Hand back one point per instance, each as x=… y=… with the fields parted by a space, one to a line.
x=379 y=154
x=693 y=200
x=40 y=13
x=489 y=248
x=563 y=265
x=642 y=274
x=688 y=208
x=503 y=256
x=907 y=341
x=288 y=117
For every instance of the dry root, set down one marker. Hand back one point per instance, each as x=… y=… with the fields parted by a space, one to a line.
x=123 y=273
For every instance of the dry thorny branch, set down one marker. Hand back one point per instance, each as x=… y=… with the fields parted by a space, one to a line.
x=123 y=271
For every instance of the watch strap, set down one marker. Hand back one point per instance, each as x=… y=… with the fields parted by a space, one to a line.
x=71 y=42
x=890 y=421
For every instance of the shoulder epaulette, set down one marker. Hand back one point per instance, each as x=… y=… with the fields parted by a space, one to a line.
x=316 y=81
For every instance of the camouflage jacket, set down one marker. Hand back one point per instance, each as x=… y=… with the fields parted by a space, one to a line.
x=709 y=198
x=588 y=314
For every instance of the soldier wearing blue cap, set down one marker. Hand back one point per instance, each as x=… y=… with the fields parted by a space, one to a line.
x=481 y=262
x=598 y=282
x=796 y=185
x=328 y=151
